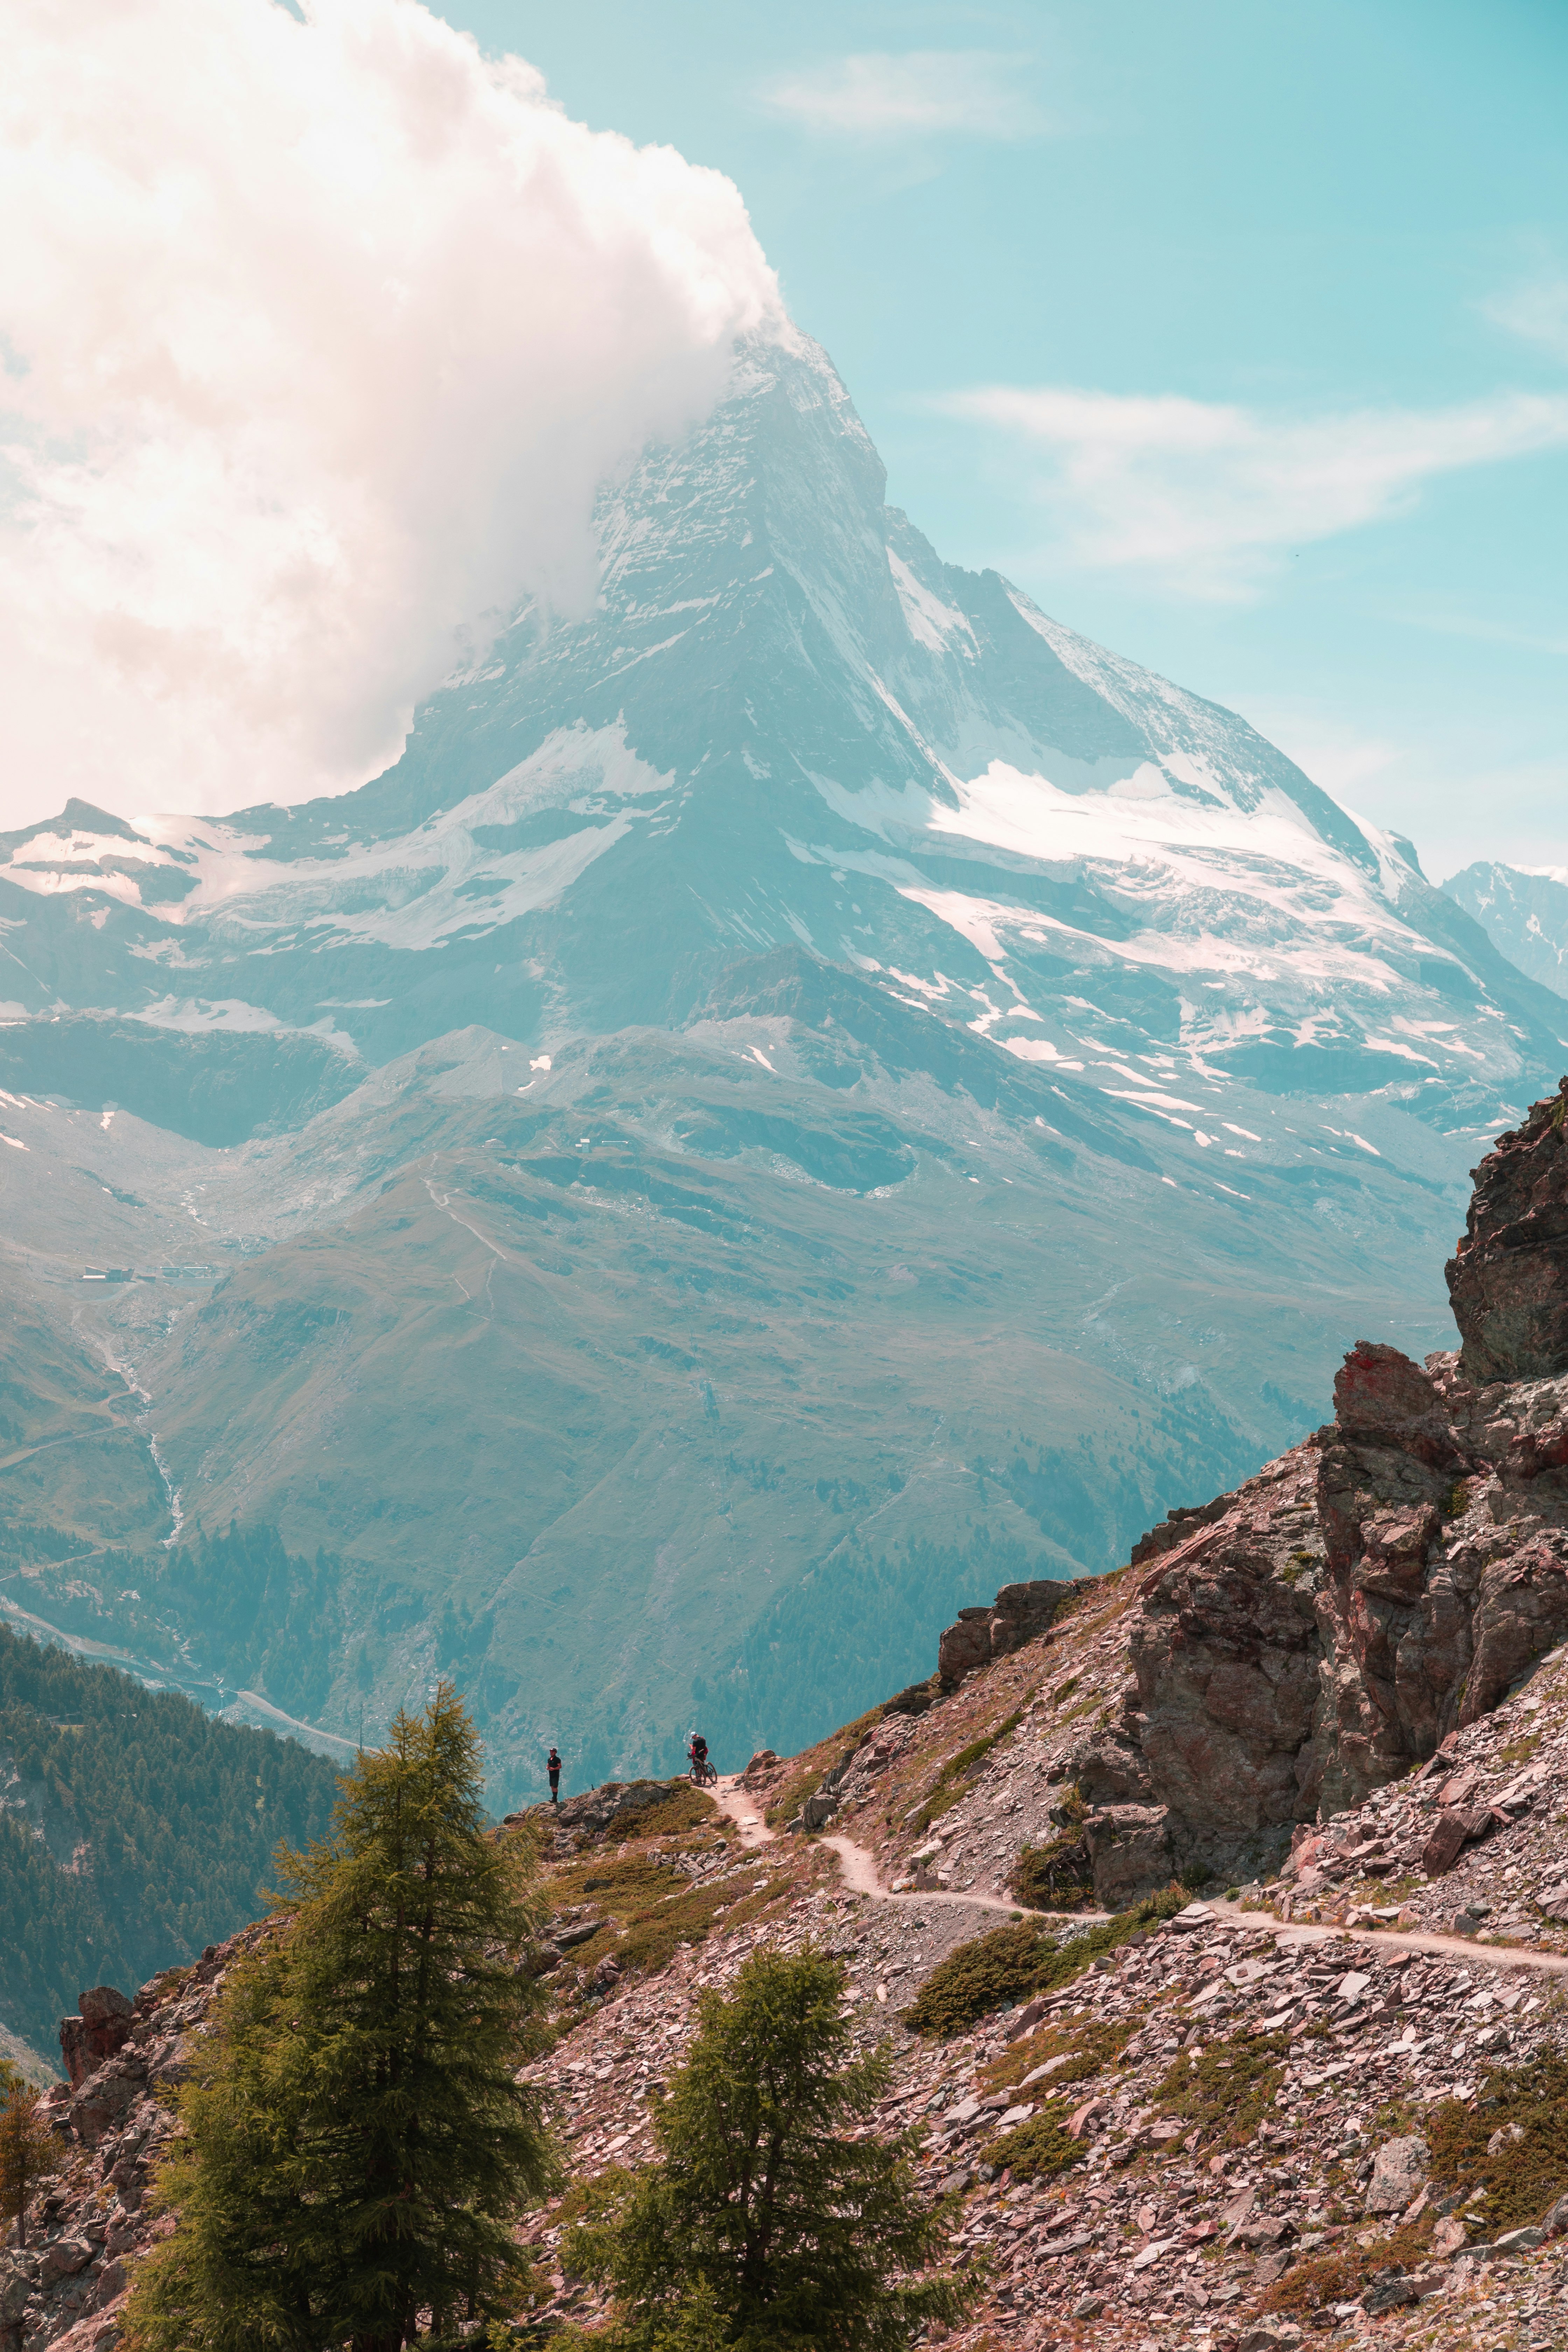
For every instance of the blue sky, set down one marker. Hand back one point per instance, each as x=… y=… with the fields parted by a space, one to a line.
x=1238 y=333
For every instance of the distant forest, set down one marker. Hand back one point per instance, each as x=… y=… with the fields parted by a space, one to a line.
x=157 y=1823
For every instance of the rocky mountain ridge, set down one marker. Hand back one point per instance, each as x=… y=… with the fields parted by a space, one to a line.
x=1327 y=2099
x=1523 y=910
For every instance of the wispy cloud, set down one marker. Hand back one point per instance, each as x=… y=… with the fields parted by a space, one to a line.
x=1204 y=496
x=877 y=95
x=1538 y=311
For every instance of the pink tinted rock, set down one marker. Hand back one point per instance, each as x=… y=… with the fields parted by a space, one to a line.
x=1507 y=1280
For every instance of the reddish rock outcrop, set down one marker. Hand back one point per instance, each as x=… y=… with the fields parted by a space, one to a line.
x=1019 y=1614
x=1507 y=1280
x=102 y=2028
x=1302 y=1641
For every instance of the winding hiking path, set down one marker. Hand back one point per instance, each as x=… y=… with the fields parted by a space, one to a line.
x=857 y=1862
x=859 y=1867
x=1412 y=1939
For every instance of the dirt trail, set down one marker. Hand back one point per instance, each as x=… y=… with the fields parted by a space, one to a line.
x=858 y=1864
x=861 y=1875
x=1497 y=1956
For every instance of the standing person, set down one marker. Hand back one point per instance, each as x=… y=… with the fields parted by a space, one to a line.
x=552 y=1766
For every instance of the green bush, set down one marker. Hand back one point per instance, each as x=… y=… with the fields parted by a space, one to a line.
x=1039 y=2149
x=1530 y=2171
x=1011 y=1963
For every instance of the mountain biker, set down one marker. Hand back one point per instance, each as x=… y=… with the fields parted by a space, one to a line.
x=697 y=1753
x=552 y=1766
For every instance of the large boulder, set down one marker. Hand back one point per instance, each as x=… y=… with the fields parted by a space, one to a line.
x=102 y=2028
x=1397 y=2174
x=1507 y=1280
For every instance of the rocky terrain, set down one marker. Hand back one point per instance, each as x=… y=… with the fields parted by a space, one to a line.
x=1315 y=2089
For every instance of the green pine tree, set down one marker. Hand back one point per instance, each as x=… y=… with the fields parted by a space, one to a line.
x=765 y=2225
x=356 y=2147
x=30 y=2151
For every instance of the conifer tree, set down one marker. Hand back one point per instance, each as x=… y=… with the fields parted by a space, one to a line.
x=28 y=2150
x=356 y=2146
x=766 y=2226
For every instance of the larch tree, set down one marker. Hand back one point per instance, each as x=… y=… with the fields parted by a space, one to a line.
x=30 y=2151
x=767 y=2225
x=356 y=2147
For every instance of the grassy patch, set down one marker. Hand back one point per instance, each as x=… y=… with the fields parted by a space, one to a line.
x=1086 y=2049
x=1011 y=1963
x=1344 y=2275
x=943 y=1793
x=685 y=1808
x=1039 y=2149
x=1525 y=2108
x=1520 y=1751
x=649 y=1911
x=1226 y=2088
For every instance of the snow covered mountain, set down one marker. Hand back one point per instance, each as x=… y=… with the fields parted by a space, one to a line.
x=1523 y=910
x=807 y=1085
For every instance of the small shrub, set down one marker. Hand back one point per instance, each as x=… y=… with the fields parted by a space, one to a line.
x=1226 y=2088
x=1054 y=1877
x=1039 y=2149
x=1011 y=1963
x=1088 y=2049
x=1527 y=2175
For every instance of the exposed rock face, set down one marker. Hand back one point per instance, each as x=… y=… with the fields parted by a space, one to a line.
x=102 y=2028
x=1018 y=1613
x=66 y=2288
x=595 y=1809
x=1507 y=1280
x=1302 y=1641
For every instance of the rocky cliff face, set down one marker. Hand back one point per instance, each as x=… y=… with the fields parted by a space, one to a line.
x=1509 y=1279
x=1292 y=1646
x=68 y=2286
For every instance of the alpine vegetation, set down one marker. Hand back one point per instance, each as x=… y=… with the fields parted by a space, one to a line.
x=767 y=2218
x=355 y=2144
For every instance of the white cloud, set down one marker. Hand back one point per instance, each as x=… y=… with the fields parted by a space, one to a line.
x=877 y=95
x=320 y=336
x=1538 y=311
x=1202 y=498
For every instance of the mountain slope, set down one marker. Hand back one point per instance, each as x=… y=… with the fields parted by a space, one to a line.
x=133 y=1829
x=1524 y=913
x=970 y=1086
